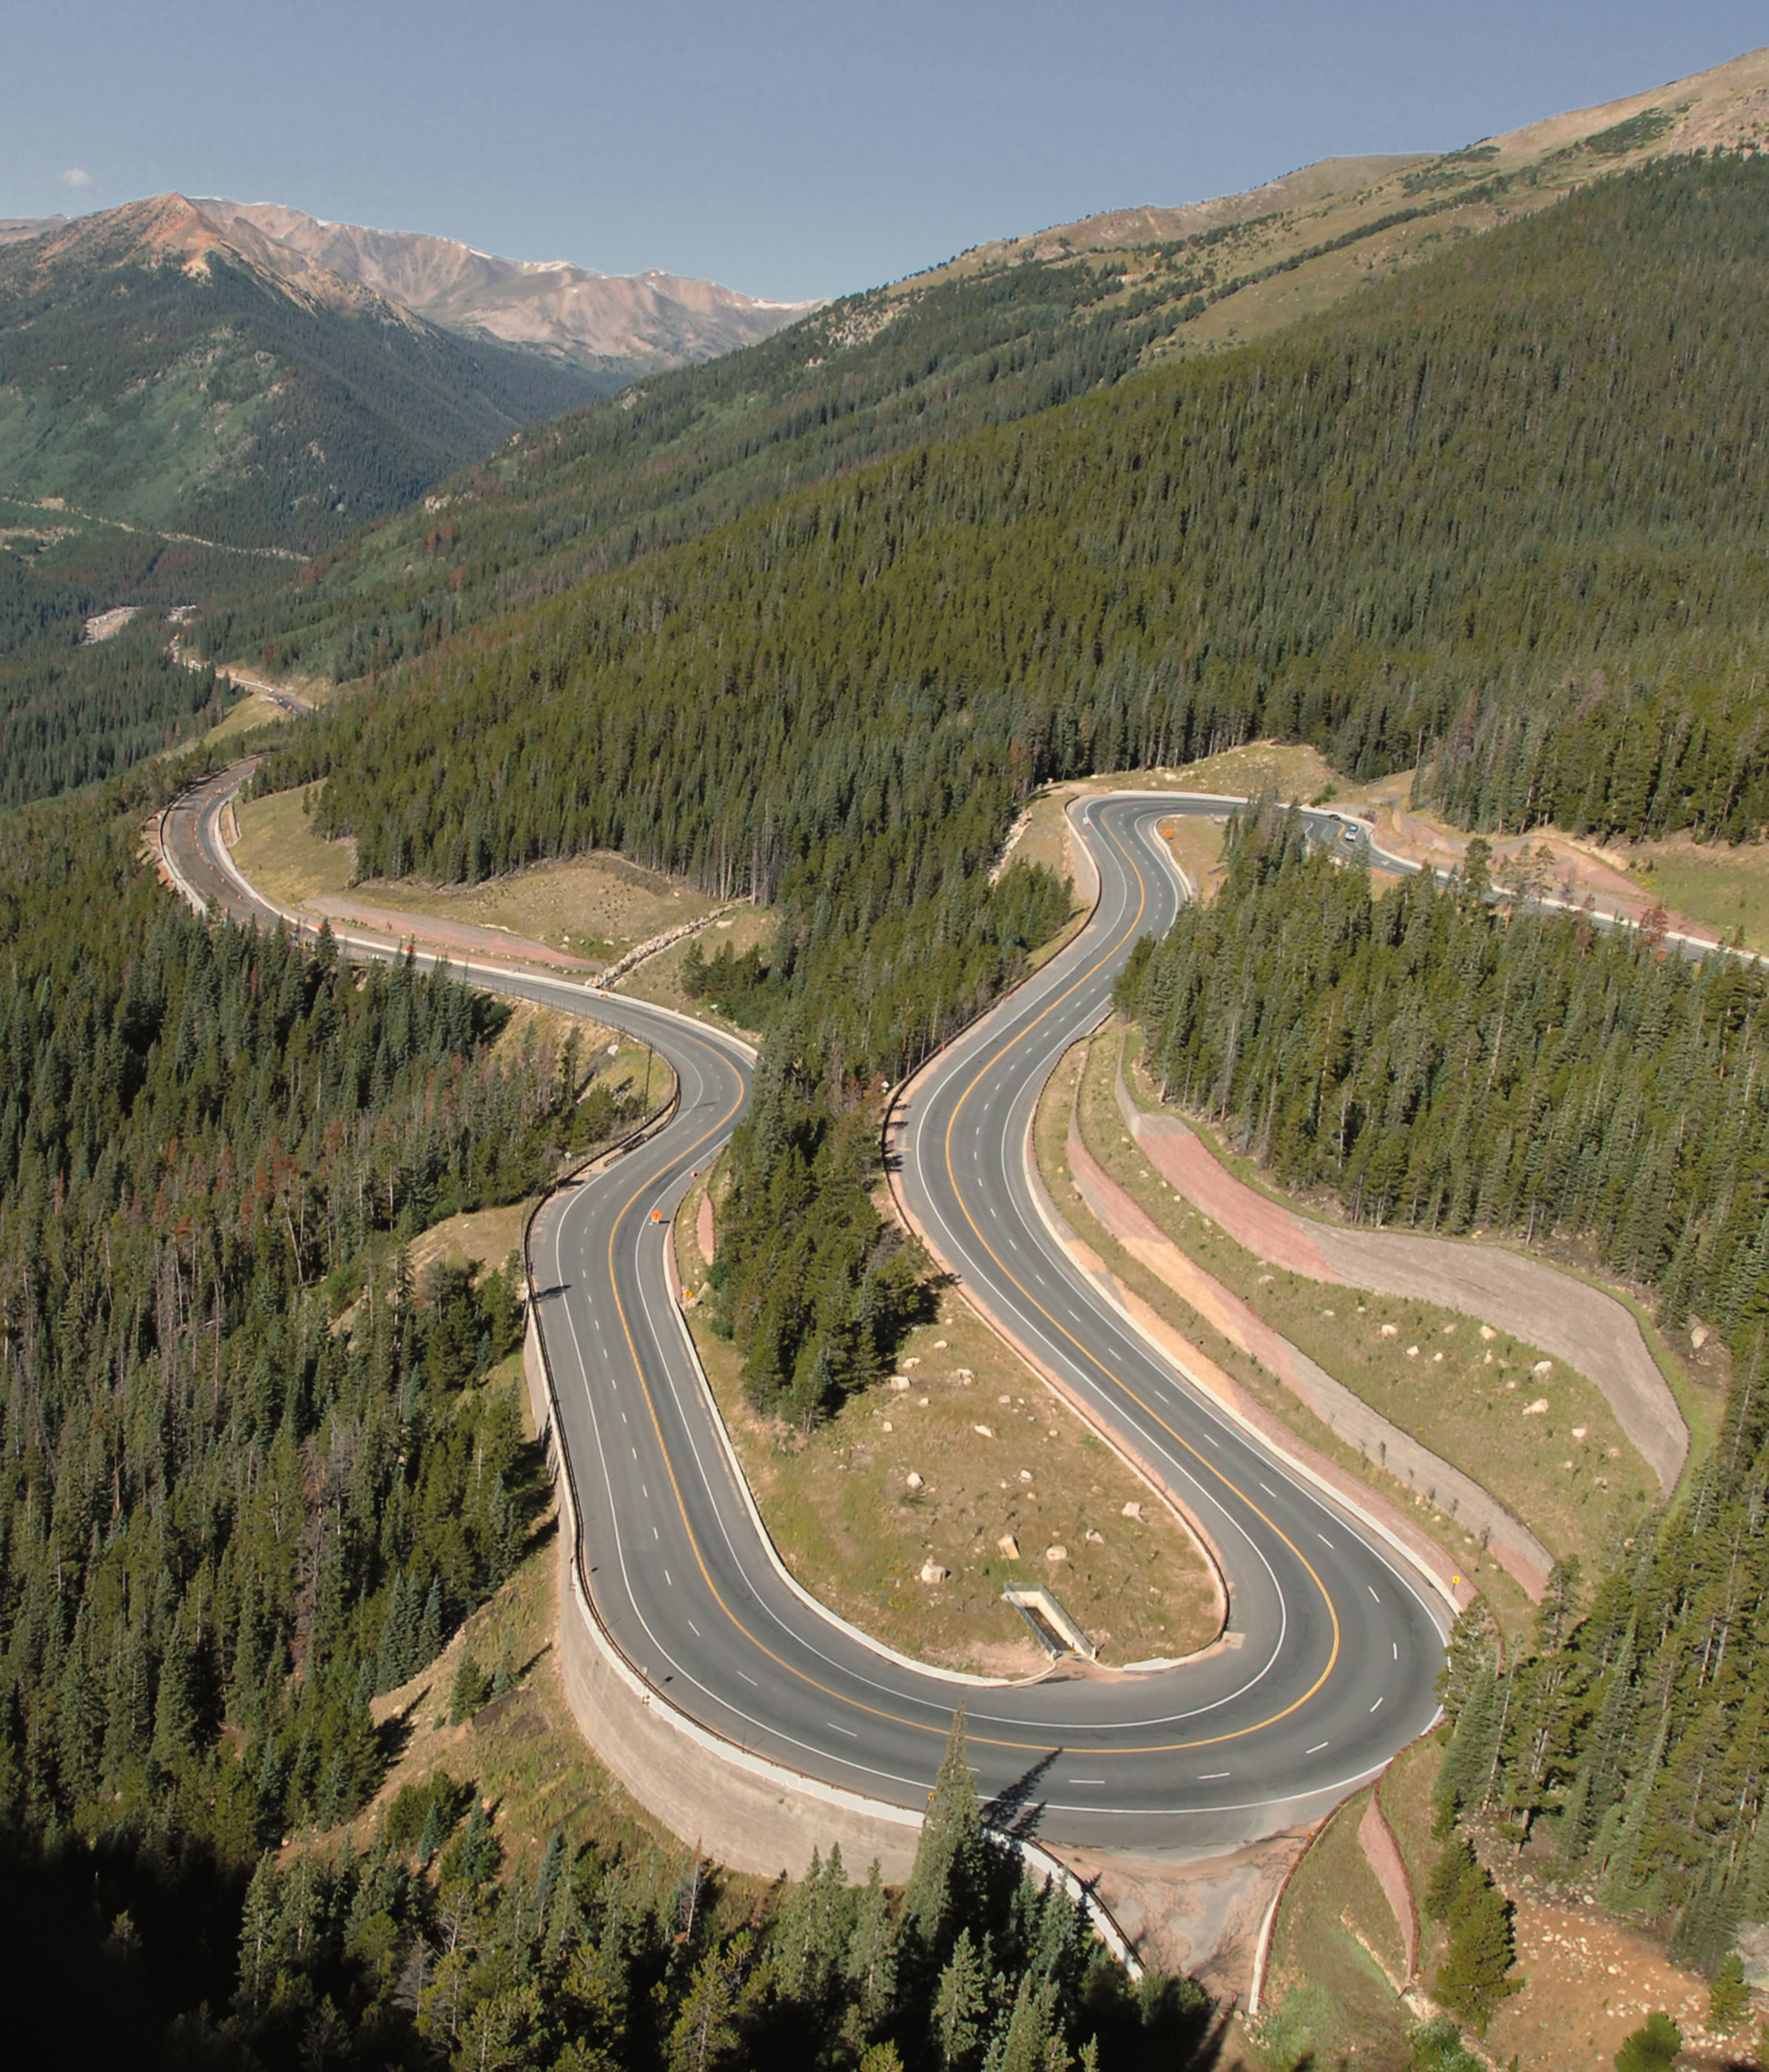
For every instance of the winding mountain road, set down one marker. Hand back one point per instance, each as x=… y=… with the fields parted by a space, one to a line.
x=1334 y=1642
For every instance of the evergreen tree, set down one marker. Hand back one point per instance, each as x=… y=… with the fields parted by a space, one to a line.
x=959 y=2003
x=1472 y=1978
x=1653 y=2047
x=706 y=2029
x=1729 y=1996
x=948 y=1879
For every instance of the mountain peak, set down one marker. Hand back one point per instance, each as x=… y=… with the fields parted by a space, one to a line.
x=170 y=227
x=640 y=322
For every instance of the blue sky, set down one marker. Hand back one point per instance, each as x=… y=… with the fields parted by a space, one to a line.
x=790 y=147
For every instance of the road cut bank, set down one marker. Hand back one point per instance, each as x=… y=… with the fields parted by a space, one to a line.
x=1590 y=1331
x=1447 y=1489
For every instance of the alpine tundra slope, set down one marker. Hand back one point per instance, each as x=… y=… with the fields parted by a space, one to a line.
x=1334 y=1642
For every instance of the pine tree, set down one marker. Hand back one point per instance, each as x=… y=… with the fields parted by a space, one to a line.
x=1473 y=1648
x=1653 y=2047
x=1472 y=1979
x=1729 y=1996
x=872 y=1962
x=260 y=1927
x=959 y=2003
x=706 y=2028
x=948 y=1875
x=1468 y=1764
x=1031 y=2041
x=1457 y=1867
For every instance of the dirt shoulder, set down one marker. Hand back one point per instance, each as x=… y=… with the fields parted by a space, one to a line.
x=1587 y=1360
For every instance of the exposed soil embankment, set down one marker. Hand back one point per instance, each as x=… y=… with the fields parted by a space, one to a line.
x=1590 y=1331
x=1451 y=1492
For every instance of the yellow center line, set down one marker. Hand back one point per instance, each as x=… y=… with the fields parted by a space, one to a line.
x=1099 y=1366
x=842 y=1698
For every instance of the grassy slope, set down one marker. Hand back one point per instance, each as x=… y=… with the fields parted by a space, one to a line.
x=594 y=906
x=1726 y=889
x=840 y=1508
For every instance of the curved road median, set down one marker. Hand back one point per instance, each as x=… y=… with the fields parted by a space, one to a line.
x=1338 y=1639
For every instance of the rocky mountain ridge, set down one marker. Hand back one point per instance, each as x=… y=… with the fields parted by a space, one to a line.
x=638 y=323
x=1725 y=108
x=161 y=370
x=618 y=325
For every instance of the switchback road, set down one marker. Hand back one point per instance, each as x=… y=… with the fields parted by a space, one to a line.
x=1334 y=1642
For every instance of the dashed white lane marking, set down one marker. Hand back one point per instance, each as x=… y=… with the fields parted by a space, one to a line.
x=669 y=1579
x=1212 y=1776
x=1371 y=1587
x=748 y=1679
x=1377 y=1706
x=1087 y=1780
x=835 y=1729
x=1397 y=1647
x=1268 y=1489
x=694 y=1630
x=1317 y=1748
x=1324 y=1541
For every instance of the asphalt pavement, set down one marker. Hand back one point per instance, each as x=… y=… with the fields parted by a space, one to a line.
x=1335 y=1640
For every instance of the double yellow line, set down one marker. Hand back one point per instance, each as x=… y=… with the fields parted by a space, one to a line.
x=844 y=1699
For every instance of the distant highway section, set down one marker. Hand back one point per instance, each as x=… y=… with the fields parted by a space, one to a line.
x=1334 y=1641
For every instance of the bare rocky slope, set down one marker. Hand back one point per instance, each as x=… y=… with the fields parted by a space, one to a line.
x=636 y=322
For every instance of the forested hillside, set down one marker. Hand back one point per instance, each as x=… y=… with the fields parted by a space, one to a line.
x=204 y=1486
x=1443 y=1064
x=70 y=712
x=205 y=396
x=997 y=335
x=871 y=376
x=1424 y=516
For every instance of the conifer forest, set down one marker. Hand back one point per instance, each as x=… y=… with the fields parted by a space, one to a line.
x=810 y=633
